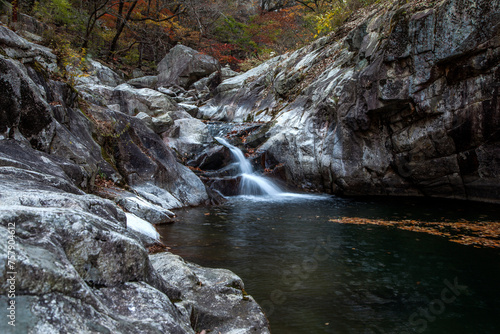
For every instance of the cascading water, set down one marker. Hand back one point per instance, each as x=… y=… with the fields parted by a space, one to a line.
x=251 y=183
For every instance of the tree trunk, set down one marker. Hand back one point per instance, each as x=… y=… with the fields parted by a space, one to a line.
x=15 y=10
x=121 y=23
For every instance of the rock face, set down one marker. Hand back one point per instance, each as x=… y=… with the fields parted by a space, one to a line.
x=211 y=297
x=79 y=259
x=270 y=5
x=99 y=74
x=405 y=108
x=184 y=66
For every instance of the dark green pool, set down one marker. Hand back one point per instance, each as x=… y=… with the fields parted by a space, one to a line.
x=314 y=276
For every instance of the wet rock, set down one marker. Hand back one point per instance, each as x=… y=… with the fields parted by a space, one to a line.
x=226 y=185
x=212 y=158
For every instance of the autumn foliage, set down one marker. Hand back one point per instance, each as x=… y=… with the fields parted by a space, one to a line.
x=138 y=33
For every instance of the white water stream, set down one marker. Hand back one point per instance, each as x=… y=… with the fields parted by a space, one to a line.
x=251 y=183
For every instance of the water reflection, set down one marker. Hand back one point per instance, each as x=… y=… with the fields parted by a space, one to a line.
x=314 y=276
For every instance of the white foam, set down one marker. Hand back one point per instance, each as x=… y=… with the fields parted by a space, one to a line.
x=251 y=184
x=284 y=197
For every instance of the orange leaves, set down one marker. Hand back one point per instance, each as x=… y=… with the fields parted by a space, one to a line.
x=484 y=234
x=281 y=28
x=223 y=52
x=157 y=248
x=198 y=169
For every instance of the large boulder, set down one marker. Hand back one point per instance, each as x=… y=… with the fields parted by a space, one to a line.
x=43 y=114
x=188 y=137
x=127 y=99
x=98 y=74
x=132 y=101
x=145 y=161
x=215 y=298
x=184 y=66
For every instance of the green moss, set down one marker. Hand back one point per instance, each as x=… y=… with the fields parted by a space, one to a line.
x=249 y=118
x=107 y=157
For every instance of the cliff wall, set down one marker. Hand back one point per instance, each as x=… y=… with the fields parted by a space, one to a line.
x=401 y=100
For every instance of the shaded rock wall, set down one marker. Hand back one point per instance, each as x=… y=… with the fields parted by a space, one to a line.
x=401 y=100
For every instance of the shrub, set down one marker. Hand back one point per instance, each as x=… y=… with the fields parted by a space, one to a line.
x=60 y=12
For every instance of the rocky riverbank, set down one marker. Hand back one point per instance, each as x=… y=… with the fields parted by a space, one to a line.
x=83 y=173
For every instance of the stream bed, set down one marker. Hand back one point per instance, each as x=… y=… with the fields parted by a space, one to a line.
x=312 y=275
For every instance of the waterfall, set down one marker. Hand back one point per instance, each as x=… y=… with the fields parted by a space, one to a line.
x=251 y=183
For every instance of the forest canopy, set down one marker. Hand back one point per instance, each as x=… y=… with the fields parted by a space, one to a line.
x=138 y=33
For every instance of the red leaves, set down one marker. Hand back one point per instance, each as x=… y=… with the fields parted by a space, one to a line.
x=222 y=52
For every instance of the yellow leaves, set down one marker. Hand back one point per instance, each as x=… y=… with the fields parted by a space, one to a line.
x=330 y=19
x=477 y=234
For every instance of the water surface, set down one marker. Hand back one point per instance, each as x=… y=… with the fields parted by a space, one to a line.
x=314 y=276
